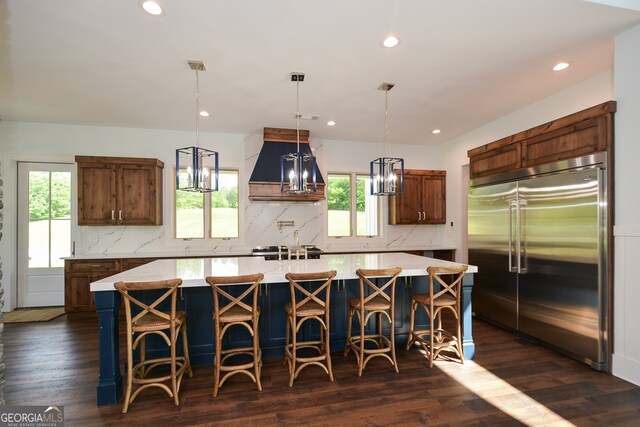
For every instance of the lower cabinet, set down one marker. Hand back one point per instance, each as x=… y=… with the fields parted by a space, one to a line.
x=78 y=275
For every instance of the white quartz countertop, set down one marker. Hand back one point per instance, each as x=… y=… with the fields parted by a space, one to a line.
x=193 y=271
x=237 y=252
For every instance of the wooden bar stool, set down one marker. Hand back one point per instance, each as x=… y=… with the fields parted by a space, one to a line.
x=150 y=320
x=310 y=302
x=380 y=301
x=229 y=311
x=442 y=297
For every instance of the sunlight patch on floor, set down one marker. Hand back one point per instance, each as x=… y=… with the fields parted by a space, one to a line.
x=501 y=394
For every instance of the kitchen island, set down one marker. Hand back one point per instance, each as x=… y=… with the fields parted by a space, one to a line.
x=196 y=298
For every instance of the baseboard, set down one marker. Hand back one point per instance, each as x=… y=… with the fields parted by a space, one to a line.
x=626 y=368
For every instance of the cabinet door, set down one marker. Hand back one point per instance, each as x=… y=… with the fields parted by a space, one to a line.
x=404 y=209
x=77 y=296
x=96 y=194
x=136 y=194
x=434 y=199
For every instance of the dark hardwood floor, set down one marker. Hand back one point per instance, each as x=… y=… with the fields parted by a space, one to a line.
x=510 y=382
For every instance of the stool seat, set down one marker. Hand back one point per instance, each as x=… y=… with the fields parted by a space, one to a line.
x=310 y=308
x=442 y=301
x=376 y=303
x=237 y=314
x=151 y=321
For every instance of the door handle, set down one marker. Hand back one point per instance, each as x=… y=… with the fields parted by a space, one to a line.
x=512 y=204
x=418 y=216
x=522 y=243
x=120 y=215
x=113 y=215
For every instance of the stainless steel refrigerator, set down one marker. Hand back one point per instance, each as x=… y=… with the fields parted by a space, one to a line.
x=539 y=239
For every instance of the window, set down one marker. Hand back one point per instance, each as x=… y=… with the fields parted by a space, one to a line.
x=224 y=206
x=49 y=218
x=341 y=216
x=339 y=205
x=367 y=206
x=214 y=214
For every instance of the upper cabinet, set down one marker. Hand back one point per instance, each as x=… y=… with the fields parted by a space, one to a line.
x=119 y=191
x=423 y=200
x=585 y=132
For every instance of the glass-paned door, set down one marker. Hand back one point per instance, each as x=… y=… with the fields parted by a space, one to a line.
x=46 y=214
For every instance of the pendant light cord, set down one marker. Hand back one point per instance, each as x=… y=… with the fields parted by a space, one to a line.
x=298 y=115
x=386 y=122
x=197 y=110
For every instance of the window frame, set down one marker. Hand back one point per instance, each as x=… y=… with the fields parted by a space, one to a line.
x=353 y=213
x=206 y=206
x=379 y=208
x=210 y=222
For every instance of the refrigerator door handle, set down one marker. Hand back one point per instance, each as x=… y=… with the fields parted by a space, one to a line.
x=512 y=204
x=522 y=243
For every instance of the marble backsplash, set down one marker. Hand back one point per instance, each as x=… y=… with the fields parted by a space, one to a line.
x=258 y=226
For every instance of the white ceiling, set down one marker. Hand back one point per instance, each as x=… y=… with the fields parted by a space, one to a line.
x=459 y=64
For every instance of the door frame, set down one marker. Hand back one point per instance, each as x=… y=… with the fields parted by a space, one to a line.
x=21 y=262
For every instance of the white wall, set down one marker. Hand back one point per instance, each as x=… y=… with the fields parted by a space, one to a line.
x=626 y=357
x=452 y=155
x=60 y=143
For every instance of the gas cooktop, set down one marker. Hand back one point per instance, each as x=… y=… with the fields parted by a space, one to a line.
x=272 y=253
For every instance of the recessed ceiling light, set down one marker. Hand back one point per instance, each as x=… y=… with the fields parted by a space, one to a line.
x=436 y=131
x=331 y=123
x=204 y=113
x=391 y=41
x=561 y=66
x=152 y=7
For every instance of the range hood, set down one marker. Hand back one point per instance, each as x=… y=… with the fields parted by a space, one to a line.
x=264 y=183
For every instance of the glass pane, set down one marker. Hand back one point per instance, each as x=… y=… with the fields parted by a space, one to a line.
x=61 y=195
x=39 y=195
x=224 y=206
x=367 y=223
x=189 y=215
x=60 y=241
x=39 y=243
x=339 y=205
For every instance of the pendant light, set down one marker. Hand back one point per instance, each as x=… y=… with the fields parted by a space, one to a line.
x=386 y=174
x=196 y=167
x=298 y=170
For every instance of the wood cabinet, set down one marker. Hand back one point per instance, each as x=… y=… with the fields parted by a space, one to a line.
x=77 y=277
x=585 y=132
x=423 y=200
x=119 y=191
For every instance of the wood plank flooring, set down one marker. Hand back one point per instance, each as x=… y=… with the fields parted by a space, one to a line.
x=511 y=382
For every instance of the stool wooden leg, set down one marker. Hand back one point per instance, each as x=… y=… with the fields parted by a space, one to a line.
x=393 y=340
x=257 y=357
x=327 y=349
x=411 y=339
x=292 y=365
x=185 y=345
x=127 y=395
x=174 y=379
x=361 y=358
x=347 y=343
x=431 y=336
x=218 y=361
x=285 y=359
